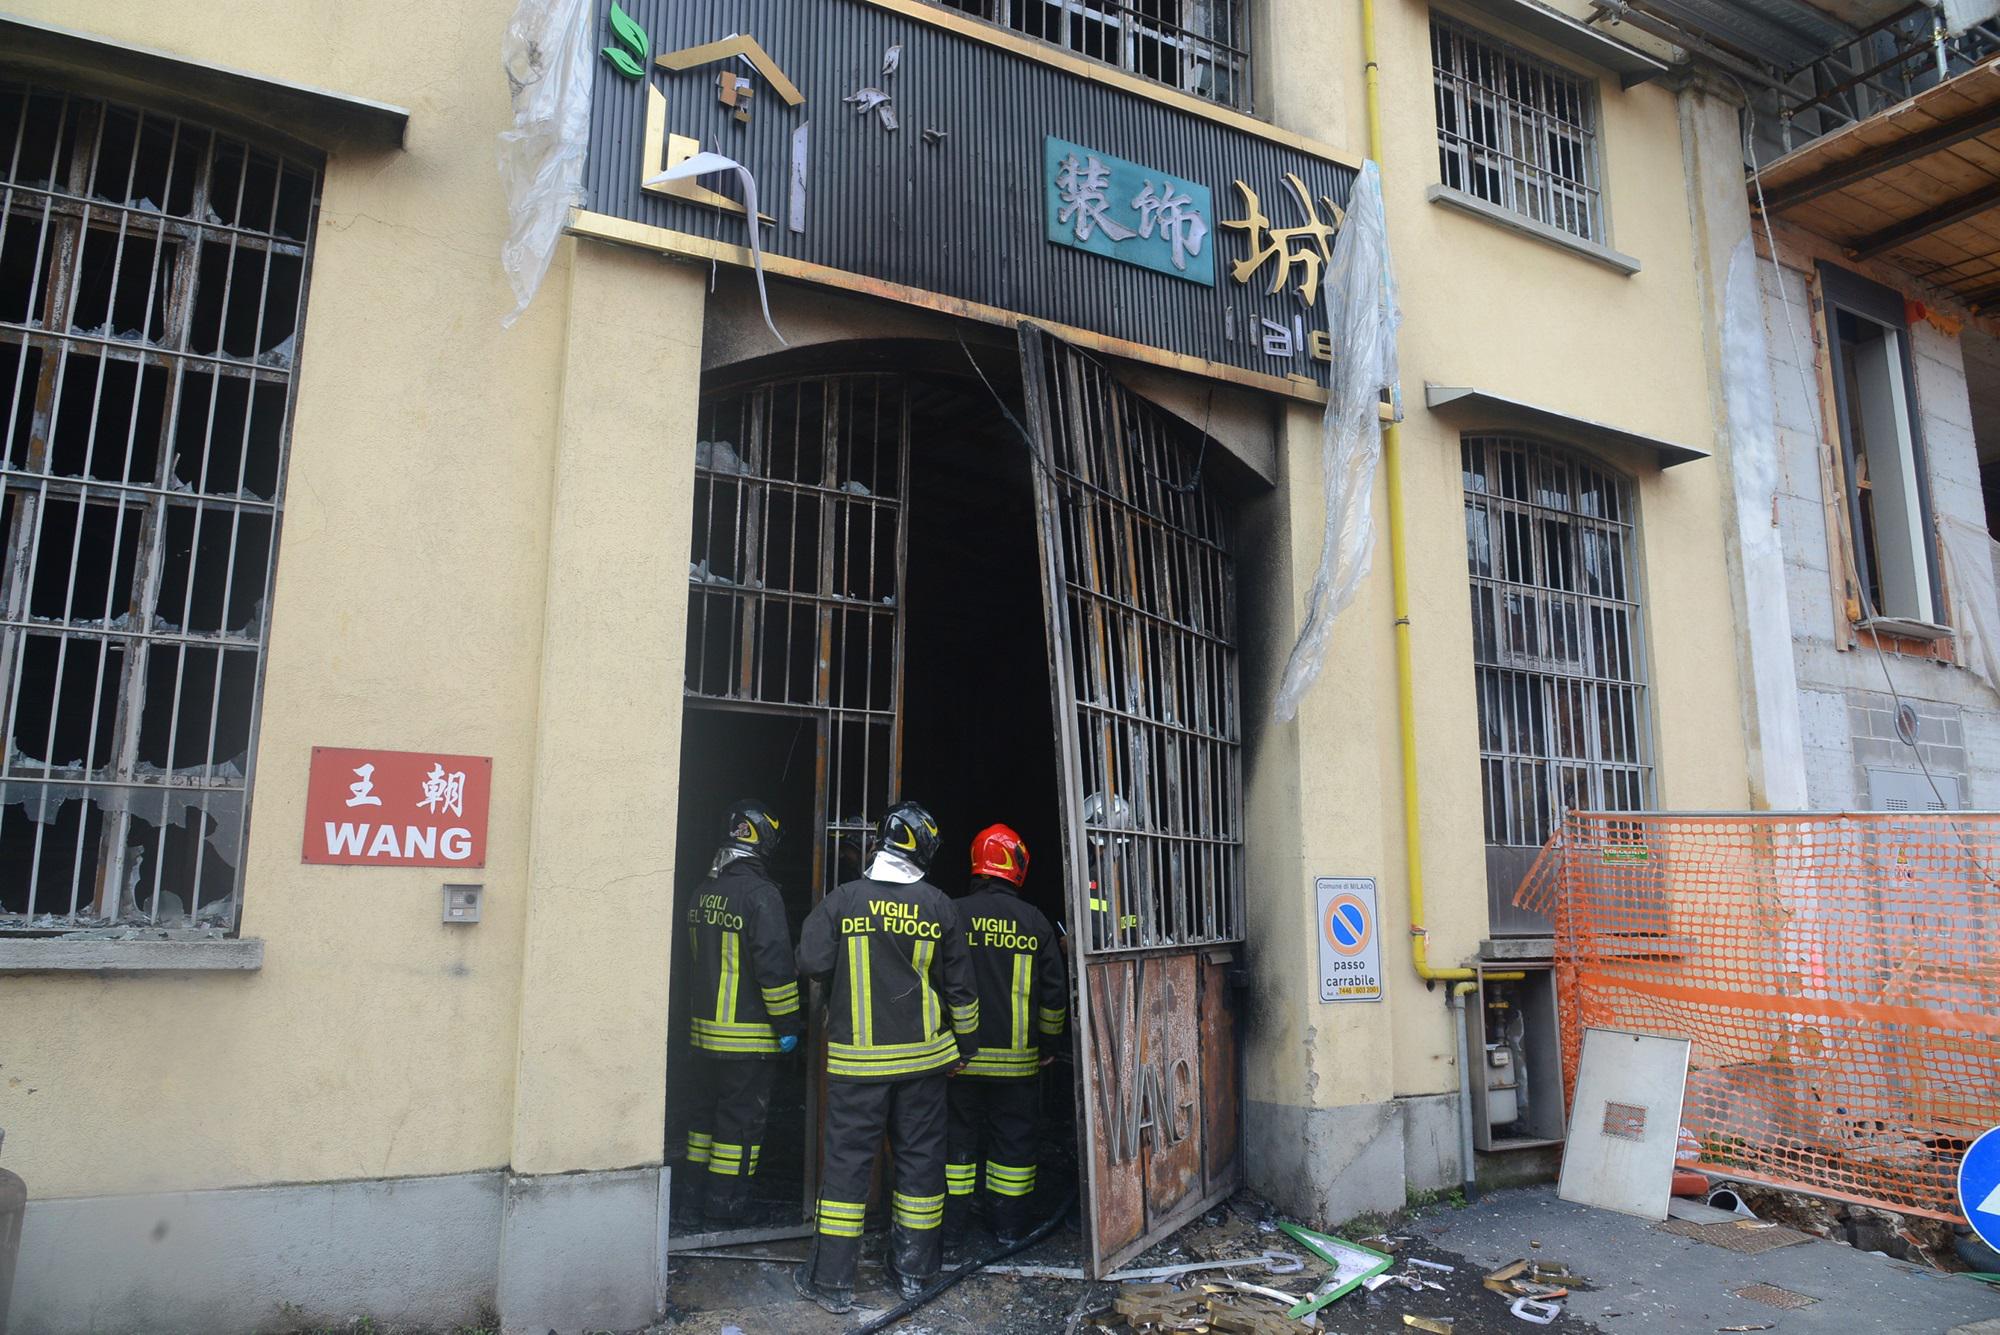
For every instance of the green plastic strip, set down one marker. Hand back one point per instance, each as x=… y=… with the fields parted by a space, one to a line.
x=1351 y=1264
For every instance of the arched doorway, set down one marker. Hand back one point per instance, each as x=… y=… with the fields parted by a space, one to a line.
x=1005 y=590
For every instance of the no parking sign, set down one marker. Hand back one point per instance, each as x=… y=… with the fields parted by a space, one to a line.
x=1350 y=939
x=1979 y=1187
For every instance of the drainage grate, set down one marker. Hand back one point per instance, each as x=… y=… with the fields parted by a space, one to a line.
x=1772 y=1296
x=1736 y=1237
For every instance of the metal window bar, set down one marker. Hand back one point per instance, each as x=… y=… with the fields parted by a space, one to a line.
x=795 y=573
x=1556 y=630
x=152 y=282
x=1197 y=46
x=1516 y=130
x=1150 y=600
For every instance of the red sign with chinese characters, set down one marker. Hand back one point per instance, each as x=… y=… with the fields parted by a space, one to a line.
x=397 y=808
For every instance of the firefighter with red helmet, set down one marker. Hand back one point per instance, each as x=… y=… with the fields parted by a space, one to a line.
x=1023 y=1009
x=746 y=1015
x=901 y=1016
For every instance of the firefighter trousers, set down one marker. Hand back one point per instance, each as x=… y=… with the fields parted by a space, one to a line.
x=726 y=1133
x=998 y=1117
x=912 y=1113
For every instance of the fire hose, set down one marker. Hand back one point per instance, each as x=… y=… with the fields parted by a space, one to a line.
x=944 y=1282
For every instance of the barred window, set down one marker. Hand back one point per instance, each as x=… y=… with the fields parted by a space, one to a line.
x=1556 y=639
x=1197 y=46
x=152 y=281
x=1516 y=130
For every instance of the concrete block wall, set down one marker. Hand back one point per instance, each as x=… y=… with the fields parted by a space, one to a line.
x=1846 y=709
x=1940 y=743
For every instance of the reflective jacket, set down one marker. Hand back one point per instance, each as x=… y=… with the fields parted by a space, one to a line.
x=1023 y=987
x=901 y=1002
x=746 y=992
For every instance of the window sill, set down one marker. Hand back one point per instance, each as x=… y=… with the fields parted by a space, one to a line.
x=84 y=953
x=1476 y=207
x=1905 y=630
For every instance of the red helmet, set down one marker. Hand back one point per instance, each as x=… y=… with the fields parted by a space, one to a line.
x=998 y=851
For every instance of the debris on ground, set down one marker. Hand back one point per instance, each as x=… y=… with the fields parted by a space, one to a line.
x=1238 y=1269
x=1927 y=1242
x=1530 y=1279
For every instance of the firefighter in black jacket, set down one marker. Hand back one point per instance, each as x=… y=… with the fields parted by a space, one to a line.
x=1023 y=1007
x=746 y=1015
x=901 y=1016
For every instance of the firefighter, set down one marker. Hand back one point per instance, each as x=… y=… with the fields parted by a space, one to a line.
x=1113 y=922
x=901 y=1016
x=1023 y=1007
x=747 y=1015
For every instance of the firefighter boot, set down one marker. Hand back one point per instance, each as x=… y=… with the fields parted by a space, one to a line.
x=690 y=1184
x=957 y=1220
x=1008 y=1217
x=908 y=1255
x=728 y=1200
x=837 y=1301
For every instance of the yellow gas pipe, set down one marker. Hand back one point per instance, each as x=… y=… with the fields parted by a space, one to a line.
x=1399 y=583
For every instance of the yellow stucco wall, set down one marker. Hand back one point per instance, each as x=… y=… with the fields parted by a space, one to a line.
x=464 y=504
x=408 y=614
x=1487 y=307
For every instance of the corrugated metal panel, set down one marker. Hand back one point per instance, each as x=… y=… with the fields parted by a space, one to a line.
x=1784 y=33
x=962 y=216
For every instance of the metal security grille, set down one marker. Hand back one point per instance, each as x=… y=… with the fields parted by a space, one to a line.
x=1147 y=628
x=1140 y=593
x=1516 y=130
x=152 y=279
x=1556 y=642
x=797 y=571
x=1197 y=46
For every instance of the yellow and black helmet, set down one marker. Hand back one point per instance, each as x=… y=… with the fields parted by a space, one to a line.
x=751 y=827
x=909 y=832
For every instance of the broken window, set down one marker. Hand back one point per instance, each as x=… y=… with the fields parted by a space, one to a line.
x=1881 y=451
x=1516 y=130
x=152 y=277
x=1556 y=642
x=795 y=570
x=1197 y=46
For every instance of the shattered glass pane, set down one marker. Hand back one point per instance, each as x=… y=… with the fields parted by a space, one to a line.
x=139 y=490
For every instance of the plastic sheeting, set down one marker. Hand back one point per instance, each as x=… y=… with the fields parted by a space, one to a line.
x=547 y=53
x=1971 y=560
x=1362 y=316
x=709 y=164
x=1753 y=458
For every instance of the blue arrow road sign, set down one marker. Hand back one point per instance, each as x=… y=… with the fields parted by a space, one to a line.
x=1979 y=1187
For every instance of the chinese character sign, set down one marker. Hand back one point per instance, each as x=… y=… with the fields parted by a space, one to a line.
x=397 y=808
x=1295 y=255
x=1127 y=212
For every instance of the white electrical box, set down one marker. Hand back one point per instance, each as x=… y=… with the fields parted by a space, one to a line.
x=461 y=902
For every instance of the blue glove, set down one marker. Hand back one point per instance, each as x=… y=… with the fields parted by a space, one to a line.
x=788 y=1043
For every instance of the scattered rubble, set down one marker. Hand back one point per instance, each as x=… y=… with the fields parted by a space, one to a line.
x=1239 y=1270
x=1926 y=1242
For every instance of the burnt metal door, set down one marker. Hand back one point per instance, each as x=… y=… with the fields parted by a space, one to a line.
x=795 y=609
x=1139 y=591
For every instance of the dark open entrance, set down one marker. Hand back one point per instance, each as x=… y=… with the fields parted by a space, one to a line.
x=727 y=754
x=1014 y=601
x=865 y=624
x=978 y=745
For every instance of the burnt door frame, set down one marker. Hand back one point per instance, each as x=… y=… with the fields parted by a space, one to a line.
x=752 y=587
x=1153 y=962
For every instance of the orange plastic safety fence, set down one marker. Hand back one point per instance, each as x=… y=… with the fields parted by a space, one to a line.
x=1837 y=975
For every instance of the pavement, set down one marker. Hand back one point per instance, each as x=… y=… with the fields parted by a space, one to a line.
x=1637 y=1277
x=1646 y=1279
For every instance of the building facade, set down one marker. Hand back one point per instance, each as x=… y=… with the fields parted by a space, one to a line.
x=352 y=799
x=1853 y=278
